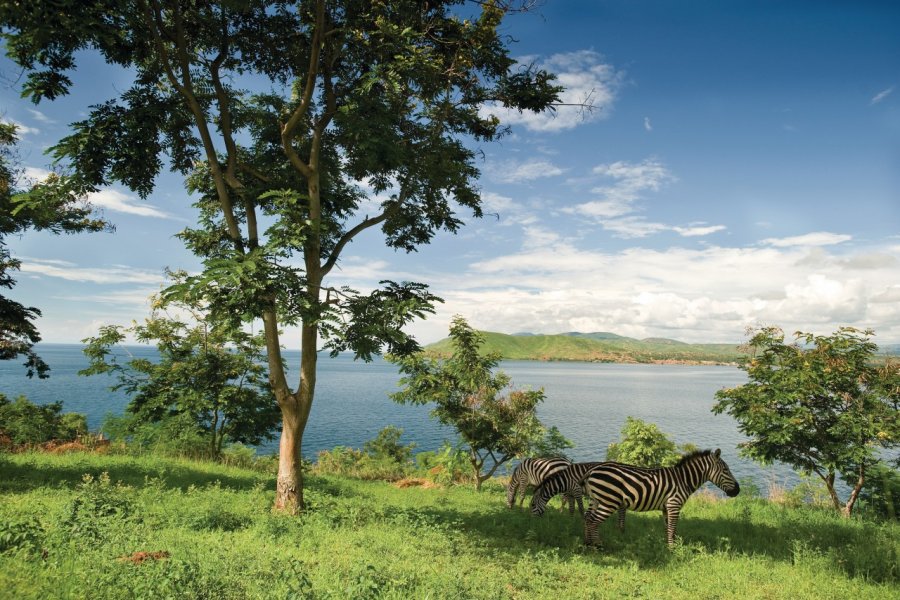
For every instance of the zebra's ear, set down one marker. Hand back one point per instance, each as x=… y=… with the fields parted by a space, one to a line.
x=718 y=452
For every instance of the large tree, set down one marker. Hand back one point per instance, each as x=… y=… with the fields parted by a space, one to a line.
x=389 y=93
x=821 y=404
x=50 y=205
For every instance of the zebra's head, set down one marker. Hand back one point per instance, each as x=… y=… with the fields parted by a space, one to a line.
x=721 y=476
x=539 y=500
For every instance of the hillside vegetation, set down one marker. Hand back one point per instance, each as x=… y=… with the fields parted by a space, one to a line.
x=599 y=347
x=152 y=527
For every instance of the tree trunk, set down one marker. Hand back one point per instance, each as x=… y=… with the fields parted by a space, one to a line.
x=848 y=508
x=829 y=484
x=295 y=413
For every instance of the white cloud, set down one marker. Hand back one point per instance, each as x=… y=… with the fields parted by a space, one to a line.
x=586 y=80
x=515 y=172
x=818 y=238
x=647 y=125
x=103 y=275
x=39 y=116
x=22 y=129
x=118 y=202
x=707 y=294
x=698 y=229
x=35 y=174
x=881 y=95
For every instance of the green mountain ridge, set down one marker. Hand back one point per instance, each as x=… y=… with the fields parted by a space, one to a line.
x=598 y=347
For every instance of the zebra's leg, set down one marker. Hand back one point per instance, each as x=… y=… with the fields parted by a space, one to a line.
x=621 y=518
x=672 y=511
x=580 y=497
x=512 y=488
x=592 y=521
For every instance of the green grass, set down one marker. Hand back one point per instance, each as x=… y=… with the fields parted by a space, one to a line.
x=61 y=538
x=583 y=347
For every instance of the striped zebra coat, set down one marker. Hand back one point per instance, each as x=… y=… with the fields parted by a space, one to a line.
x=615 y=487
x=533 y=471
x=566 y=481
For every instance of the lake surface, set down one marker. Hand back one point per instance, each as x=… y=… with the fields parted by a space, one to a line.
x=588 y=402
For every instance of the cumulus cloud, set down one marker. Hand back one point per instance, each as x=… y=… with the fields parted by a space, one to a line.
x=22 y=128
x=590 y=89
x=647 y=125
x=118 y=202
x=707 y=294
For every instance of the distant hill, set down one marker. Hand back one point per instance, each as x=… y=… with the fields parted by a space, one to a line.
x=598 y=347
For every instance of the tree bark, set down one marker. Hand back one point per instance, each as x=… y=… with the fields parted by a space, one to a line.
x=848 y=508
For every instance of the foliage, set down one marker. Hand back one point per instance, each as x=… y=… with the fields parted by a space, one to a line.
x=383 y=457
x=645 y=445
x=881 y=497
x=417 y=542
x=27 y=423
x=25 y=535
x=468 y=396
x=47 y=206
x=820 y=405
x=383 y=95
x=97 y=501
x=446 y=465
x=208 y=379
x=172 y=435
x=387 y=445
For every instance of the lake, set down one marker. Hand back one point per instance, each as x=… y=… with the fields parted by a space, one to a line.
x=588 y=402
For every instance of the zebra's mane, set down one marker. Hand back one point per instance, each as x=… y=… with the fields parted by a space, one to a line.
x=691 y=456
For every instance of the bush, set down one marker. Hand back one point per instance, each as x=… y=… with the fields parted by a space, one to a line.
x=448 y=465
x=24 y=535
x=386 y=445
x=383 y=458
x=881 y=494
x=175 y=435
x=26 y=423
x=643 y=444
x=97 y=502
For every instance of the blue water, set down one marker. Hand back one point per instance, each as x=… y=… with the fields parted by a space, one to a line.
x=588 y=402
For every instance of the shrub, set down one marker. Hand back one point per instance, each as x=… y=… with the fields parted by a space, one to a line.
x=387 y=445
x=96 y=502
x=880 y=497
x=26 y=423
x=450 y=464
x=24 y=535
x=645 y=445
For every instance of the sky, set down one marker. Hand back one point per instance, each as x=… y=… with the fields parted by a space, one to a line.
x=740 y=168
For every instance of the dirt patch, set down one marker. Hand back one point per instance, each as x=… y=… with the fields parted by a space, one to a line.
x=416 y=482
x=141 y=557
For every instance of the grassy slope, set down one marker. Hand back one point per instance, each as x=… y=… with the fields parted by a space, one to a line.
x=370 y=539
x=584 y=347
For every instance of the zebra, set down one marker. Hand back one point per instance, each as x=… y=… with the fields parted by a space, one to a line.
x=617 y=487
x=566 y=481
x=533 y=471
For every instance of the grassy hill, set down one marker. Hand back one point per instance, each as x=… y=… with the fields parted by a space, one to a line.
x=168 y=528
x=598 y=347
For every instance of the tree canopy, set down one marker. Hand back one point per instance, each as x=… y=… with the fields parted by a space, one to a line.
x=821 y=404
x=298 y=125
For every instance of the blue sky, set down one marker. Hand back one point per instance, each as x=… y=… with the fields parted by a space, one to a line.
x=741 y=167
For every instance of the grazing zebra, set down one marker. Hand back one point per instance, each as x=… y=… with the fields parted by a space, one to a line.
x=566 y=481
x=533 y=471
x=614 y=486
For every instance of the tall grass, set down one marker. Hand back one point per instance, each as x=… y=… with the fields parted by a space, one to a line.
x=207 y=531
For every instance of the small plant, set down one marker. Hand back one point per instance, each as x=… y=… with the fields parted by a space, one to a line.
x=25 y=535
x=96 y=502
x=387 y=445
